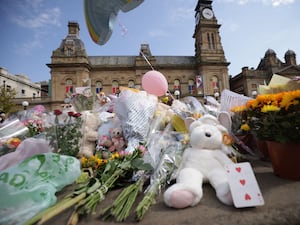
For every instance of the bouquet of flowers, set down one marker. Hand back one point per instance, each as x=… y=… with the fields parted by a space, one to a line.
x=275 y=117
x=93 y=185
x=64 y=132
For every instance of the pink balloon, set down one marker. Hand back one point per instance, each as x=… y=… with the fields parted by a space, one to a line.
x=154 y=82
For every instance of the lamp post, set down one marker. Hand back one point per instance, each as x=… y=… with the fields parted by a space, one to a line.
x=177 y=93
x=254 y=94
x=25 y=104
x=217 y=95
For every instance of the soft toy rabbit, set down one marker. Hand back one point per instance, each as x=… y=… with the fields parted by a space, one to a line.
x=204 y=161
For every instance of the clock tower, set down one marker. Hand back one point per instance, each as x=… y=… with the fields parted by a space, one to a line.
x=211 y=62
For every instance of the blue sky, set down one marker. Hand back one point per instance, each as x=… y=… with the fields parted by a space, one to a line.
x=31 y=29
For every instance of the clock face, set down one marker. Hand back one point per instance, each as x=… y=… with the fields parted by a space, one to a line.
x=207 y=13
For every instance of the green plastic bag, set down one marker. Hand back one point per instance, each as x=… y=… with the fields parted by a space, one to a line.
x=29 y=187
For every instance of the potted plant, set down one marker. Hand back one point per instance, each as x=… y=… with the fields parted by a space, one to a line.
x=275 y=118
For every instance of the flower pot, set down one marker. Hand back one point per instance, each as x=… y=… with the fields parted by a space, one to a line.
x=285 y=159
x=262 y=148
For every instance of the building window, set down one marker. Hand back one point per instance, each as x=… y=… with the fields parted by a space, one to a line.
x=208 y=41
x=176 y=84
x=115 y=87
x=8 y=87
x=23 y=92
x=215 y=83
x=98 y=87
x=191 y=87
x=131 y=84
x=253 y=86
x=213 y=40
x=69 y=86
x=199 y=84
x=33 y=95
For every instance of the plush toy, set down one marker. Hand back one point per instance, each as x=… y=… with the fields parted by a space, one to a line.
x=102 y=98
x=117 y=139
x=90 y=134
x=204 y=161
x=104 y=142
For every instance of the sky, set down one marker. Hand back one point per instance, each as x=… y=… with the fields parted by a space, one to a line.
x=31 y=29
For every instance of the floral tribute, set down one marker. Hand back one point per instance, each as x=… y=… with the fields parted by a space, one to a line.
x=139 y=149
x=35 y=126
x=274 y=117
x=68 y=132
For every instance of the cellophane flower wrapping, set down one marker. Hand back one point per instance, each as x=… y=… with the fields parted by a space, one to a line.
x=11 y=135
x=83 y=101
x=135 y=110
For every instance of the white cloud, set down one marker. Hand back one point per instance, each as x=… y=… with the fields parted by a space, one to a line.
x=179 y=15
x=39 y=20
x=48 y=17
x=267 y=2
x=35 y=4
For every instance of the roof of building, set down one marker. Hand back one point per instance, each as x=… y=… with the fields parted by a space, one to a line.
x=130 y=60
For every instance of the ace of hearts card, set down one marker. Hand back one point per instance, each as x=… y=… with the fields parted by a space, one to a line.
x=243 y=185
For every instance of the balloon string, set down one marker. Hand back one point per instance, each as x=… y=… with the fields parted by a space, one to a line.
x=146 y=60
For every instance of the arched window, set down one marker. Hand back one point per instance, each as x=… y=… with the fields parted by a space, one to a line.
x=208 y=41
x=131 y=84
x=69 y=86
x=176 y=84
x=191 y=87
x=115 y=87
x=199 y=84
x=98 y=87
x=213 y=40
x=215 y=83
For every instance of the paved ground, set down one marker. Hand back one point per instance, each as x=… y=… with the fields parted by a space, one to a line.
x=282 y=207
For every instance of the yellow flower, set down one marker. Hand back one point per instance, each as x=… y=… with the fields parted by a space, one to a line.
x=83 y=160
x=269 y=108
x=245 y=127
x=289 y=99
x=239 y=108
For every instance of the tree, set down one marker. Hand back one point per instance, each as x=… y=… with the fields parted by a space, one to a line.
x=7 y=96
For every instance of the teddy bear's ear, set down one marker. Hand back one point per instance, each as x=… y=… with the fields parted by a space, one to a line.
x=188 y=121
x=225 y=120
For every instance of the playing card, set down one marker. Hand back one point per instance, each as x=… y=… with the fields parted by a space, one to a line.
x=243 y=185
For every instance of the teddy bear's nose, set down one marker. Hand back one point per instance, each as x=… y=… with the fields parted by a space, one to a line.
x=207 y=134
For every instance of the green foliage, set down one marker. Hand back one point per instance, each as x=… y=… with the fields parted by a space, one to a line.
x=69 y=136
x=7 y=103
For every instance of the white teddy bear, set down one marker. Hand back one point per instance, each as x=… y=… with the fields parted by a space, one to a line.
x=204 y=161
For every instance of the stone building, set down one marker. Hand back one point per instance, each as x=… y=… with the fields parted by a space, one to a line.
x=248 y=80
x=205 y=73
x=23 y=86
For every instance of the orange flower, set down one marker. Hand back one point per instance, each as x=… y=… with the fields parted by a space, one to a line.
x=14 y=142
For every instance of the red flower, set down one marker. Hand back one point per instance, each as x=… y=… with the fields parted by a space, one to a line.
x=77 y=114
x=71 y=113
x=57 y=112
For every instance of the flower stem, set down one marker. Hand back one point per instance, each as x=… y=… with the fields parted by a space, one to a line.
x=58 y=208
x=123 y=204
x=147 y=201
